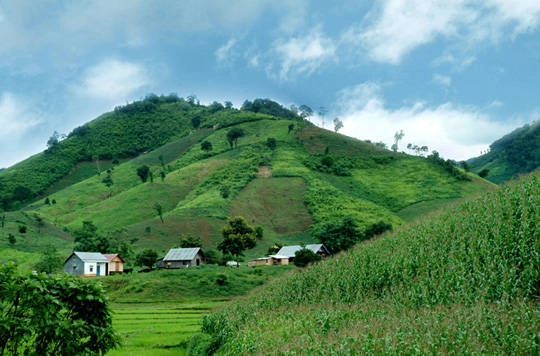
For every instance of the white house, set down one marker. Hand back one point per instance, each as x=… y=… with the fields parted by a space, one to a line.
x=87 y=264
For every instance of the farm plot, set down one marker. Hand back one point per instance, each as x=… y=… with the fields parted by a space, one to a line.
x=161 y=328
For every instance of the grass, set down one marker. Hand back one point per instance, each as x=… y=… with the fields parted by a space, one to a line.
x=158 y=328
x=464 y=281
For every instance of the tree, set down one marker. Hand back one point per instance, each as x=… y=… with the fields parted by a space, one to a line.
x=322 y=113
x=206 y=146
x=233 y=135
x=339 y=236
x=12 y=239
x=146 y=258
x=143 y=172
x=291 y=127
x=271 y=143
x=50 y=261
x=305 y=111
x=305 y=256
x=39 y=221
x=196 y=122
x=418 y=150
x=483 y=173
x=237 y=237
x=225 y=191
x=190 y=241
x=59 y=315
x=53 y=142
x=108 y=181
x=397 y=137
x=159 y=211
x=338 y=124
x=87 y=239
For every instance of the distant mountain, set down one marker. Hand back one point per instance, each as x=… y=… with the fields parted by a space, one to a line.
x=514 y=154
x=202 y=164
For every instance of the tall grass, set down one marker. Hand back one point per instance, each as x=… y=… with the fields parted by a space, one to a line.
x=465 y=281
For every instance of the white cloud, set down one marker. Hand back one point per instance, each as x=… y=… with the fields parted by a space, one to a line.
x=304 y=54
x=113 y=80
x=225 y=54
x=398 y=27
x=15 y=118
x=443 y=80
x=456 y=132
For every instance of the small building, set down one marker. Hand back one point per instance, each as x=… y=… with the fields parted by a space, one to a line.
x=87 y=264
x=182 y=258
x=116 y=263
x=289 y=251
x=272 y=260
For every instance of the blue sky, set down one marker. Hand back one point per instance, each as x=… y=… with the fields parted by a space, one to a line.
x=453 y=75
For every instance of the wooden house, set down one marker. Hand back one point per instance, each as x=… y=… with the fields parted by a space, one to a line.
x=87 y=264
x=116 y=263
x=182 y=258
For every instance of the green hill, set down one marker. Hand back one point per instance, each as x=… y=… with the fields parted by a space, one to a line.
x=514 y=154
x=465 y=281
x=284 y=174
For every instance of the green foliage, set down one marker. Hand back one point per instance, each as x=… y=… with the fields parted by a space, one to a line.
x=237 y=237
x=304 y=257
x=206 y=146
x=146 y=258
x=143 y=172
x=516 y=153
x=59 y=315
x=190 y=241
x=50 y=261
x=339 y=236
x=464 y=281
x=233 y=135
x=87 y=239
x=483 y=173
x=271 y=143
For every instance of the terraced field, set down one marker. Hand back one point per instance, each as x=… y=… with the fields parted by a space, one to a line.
x=161 y=328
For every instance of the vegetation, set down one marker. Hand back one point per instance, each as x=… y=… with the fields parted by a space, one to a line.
x=466 y=280
x=514 y=154
x=59 y=315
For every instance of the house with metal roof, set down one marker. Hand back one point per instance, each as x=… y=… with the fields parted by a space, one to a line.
x=289 y=251
x=116 y=263
x=182 y=258
x=87 y=264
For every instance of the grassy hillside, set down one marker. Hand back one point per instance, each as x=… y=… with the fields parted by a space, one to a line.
x=307 y=178
x=514 y=154
x=464 y=281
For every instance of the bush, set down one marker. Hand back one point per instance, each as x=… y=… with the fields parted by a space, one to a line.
x=305 y=256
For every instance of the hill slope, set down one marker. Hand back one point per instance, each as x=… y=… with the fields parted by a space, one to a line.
x=514 y=154
x=466 y=281
x=307 y=178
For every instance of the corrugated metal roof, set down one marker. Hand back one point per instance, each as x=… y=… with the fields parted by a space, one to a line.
x=181 y=254
x=289 y=251
x=91 y=256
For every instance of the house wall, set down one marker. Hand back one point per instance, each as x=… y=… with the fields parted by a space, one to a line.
x=91 y=269
x=116 y=265
x=74 y=266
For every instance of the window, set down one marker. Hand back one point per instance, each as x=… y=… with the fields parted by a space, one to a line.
x=91 y=269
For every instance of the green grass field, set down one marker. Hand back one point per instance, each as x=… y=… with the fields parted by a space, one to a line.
x=160 y=328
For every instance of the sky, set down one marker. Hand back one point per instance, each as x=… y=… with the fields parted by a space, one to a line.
x=452 y=75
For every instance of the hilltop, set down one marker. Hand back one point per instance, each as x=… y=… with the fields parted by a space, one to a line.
x=514 y=154
x=283 y=174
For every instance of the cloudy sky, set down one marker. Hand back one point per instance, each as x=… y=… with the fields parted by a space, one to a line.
x=453 y=75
